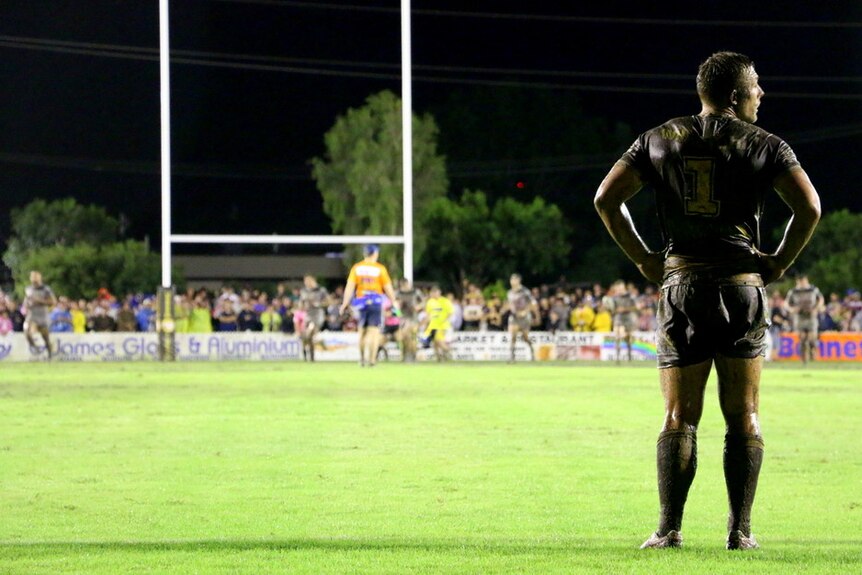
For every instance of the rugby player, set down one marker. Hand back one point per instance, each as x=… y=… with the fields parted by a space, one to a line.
x=521 y=305
x=408 y=302
x=624 y=309
x=368 y=281
x=711 y=173
x=312 y=300
x=804 y=302
x=39 y=299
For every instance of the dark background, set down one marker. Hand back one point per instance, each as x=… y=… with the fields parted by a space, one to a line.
x=256 y=83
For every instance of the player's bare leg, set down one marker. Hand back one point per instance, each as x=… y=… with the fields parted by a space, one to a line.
x=676 y=449
x=513 y=339
x=30 y=331
x=407 y=339
x=47 y=338
x=813 y=343
x=372 y=335
x=803 y=346
x=308 y=341
x=618 y=343
x=526 y=336
x=363 y=335
x=629 y=344
x=739 y=395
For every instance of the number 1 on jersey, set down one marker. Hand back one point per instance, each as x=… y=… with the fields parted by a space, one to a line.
x=699 y=199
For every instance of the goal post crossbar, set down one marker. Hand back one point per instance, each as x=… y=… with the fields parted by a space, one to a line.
x=280 y=239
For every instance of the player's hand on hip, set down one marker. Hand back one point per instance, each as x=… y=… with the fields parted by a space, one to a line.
x=652 y=268
x=770 y=268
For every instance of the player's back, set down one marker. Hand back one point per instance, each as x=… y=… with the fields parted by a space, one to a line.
x=313 y=298
x=711 y=175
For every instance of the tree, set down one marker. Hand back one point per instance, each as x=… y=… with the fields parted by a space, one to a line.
x=41 y=224
x=483 y=243
x=78 y=271
x=833 y=259
x=76 y=249
x=360 y=179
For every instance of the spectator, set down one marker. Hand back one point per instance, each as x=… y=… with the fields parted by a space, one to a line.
x=15 y=314
x=247 y=319
x=126 y=320
x=558 y=316
x=200 y=316
x=61 y=319
x=182 y=311
x=5 y=323
x=288 y=324
x=456 y=320
x=603 y=322
x=270 y=319
x=146 y=316
x=494 y=320
x=261 y=303
x=473 y=315
x=100 y=321
x=79 y=318
x=582 y=316
x=228 y=319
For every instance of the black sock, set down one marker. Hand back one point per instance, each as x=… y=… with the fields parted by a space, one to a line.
x=676 y=459
x=743 y=456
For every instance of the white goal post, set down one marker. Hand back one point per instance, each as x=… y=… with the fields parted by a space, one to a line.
x=169 y=238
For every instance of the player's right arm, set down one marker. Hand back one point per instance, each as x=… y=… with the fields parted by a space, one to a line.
x=796 y=190
x=620 y=185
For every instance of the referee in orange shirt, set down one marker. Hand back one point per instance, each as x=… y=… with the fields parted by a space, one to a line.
x=368 y=281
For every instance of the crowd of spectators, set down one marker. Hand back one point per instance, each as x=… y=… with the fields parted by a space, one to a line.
x=560 y=308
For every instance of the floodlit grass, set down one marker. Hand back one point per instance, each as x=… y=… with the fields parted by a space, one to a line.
x=296 y=468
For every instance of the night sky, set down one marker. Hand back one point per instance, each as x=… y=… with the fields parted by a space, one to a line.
x=256 y=83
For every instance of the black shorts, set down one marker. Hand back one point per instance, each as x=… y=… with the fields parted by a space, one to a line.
x=698 y=321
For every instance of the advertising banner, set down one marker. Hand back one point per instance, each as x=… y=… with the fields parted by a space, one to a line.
x=331 y=346
x=831 y=346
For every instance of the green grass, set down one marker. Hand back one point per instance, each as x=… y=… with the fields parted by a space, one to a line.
x=483 y=468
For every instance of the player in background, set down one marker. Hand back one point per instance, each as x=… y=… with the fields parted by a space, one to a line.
x=408 y=302
x=711 y=173
x=804 y=302
x=521 y=306
x=622 y=305
x=368 y=281
x=39 y=299
x=313 y=300
x=438 y=311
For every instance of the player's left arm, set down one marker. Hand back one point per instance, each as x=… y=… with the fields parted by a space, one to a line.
x=620 y=185
x=796 y=190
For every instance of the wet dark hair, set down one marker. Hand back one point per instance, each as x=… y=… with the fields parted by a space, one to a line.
x=722 y=73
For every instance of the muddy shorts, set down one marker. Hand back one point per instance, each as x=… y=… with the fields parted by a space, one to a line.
x=698 y=320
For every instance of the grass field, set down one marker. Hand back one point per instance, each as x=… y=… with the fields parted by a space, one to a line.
x=296 y=468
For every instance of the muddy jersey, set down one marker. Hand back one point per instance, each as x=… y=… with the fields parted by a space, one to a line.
x=711 y=175
x=520 y=301
x=408 y=301
x=804 y=300
x=313 y=301
x=38 y=301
